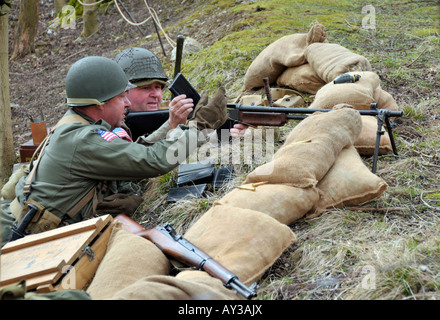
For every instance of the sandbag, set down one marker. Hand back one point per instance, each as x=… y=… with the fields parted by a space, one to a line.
x=187 y=285
x=251 y=100
x=330 y=60
x=8 y=190
x=310 y=149
x=289 y=102
x=302 y=78
x=128 y=258
x=349 y=182
x=366 y=142
x=285 y=98
x=359 y=94
x=285 y=204
x=285 y=52
x=244 y=241
x=384 y=100
x=279 y=93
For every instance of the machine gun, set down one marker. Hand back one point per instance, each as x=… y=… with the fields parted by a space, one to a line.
x=177 y=247
x=275 y=116
x=141 y=123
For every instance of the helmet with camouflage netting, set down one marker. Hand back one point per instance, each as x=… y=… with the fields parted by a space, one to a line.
x=93 y=81
x=141 y=66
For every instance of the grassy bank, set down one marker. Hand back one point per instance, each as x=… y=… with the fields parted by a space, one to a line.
x=390 y=247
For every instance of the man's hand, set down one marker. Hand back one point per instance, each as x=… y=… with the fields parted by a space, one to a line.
x=180 y=107
x=238 y=130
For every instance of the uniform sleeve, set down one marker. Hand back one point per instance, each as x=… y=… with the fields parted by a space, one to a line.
x=156 y=136
x=103 y=157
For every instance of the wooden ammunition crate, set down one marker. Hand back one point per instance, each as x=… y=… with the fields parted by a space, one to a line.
x=26 y=150
x=60 y=259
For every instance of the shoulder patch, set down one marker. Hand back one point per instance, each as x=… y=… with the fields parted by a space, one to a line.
x=106 y=135
x=121 y=133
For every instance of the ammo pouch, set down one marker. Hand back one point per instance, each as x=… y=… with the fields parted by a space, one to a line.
x=43 y=220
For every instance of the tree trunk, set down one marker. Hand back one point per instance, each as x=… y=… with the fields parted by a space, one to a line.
x=26 y=29
x=90 y=16
x=7 y=156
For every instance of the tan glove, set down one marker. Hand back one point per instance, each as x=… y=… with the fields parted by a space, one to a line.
x=210 y=114
x=119 y=203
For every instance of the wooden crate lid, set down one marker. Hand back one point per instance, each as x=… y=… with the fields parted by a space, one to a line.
x=40 y=258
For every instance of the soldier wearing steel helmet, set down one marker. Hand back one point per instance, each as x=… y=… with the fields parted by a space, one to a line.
x=84 y=162
x=146 y=73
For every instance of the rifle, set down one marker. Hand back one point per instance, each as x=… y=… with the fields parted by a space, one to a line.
x=177 y=247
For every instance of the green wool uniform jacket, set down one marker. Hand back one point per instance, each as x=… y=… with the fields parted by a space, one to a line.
x=79 y=156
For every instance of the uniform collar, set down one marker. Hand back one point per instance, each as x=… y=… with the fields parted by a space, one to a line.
x=100 y=122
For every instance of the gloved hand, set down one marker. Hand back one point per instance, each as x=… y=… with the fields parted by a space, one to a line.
x=119 y=203
x=210 y=114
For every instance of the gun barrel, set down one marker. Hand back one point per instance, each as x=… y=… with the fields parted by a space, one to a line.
x=372 y=112
x=215 y=269
x=241 y=288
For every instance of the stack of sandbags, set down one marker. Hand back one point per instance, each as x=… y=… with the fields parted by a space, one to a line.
x=359 y=94
x=284 y=53
x=307 y=173
x=323 y=63
x=284 y=203
x=128 y=258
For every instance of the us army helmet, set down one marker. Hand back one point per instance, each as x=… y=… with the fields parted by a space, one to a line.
x=94 y=80
x=141 y=66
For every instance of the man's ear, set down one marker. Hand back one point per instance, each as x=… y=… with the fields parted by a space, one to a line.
x=99 y=107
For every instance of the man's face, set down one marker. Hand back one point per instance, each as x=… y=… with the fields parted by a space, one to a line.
x=114 y=110
x=146 y=98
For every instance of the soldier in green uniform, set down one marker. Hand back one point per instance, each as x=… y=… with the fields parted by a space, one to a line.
x=84 y=161
x=146 y=73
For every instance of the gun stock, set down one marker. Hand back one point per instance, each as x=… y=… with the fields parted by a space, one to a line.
x=177 y=247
